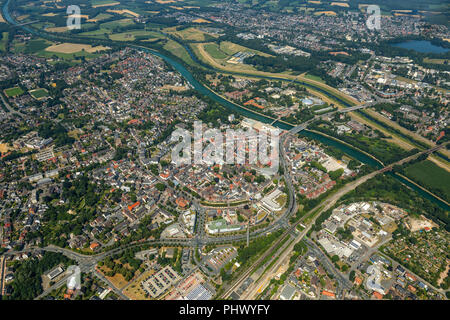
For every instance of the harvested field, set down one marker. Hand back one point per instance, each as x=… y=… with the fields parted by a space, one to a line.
x=200 y=20
x=340 y=4
x=126 y=11
x=106 y=4
x=74 y=47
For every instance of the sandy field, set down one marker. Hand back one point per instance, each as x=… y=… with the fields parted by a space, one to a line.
x=4 y=148
x=134 y=14
x=200 y=20
x=106 y=4
x=56 y=29
x=340 y=4
x=74 y=47
x=134 y=290
x=328 y=13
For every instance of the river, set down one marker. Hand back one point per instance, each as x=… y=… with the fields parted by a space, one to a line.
x=247 y=113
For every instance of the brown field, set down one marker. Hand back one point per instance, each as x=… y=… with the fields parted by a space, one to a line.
x=106 y=5
x=340 y=4
x=314 y=2
x=4 y=148
x=74 y=47
x=406 y=15
x=327 y=13
x=200 y=20
x=82 y=16
x=165 y=1
x=50 y=14
x=118 y=280
x=1 y=18
x=134 y=290
x=56 y=29
x=174 y=88
x=134 y=14
x=177 y=8
x=23 y=17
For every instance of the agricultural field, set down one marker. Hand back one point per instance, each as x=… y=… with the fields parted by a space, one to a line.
x=103 y=3
x=31 y=47
x=132 y=34
x=99 y=33
x=430 y=176
x=327 y=13
x=4 y=41
x=179 y=51
x=117 y=23
x=125 y=12
x=13 y=92
x=190 y=34
x=74 y=47
x=100 y=17
x=214 y=51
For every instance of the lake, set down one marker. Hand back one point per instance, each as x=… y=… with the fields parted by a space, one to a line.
x=421 y=46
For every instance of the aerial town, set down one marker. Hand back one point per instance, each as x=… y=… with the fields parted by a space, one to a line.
x=90 y=178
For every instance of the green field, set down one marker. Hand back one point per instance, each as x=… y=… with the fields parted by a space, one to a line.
x=132 y=34
x=176 y=49
x=39 y=93
x=31 y=47
x=99 y=33
x=312 y=77
x=13 y=92
x=116 y=23
x=4 y=41
x=430 y=176
x=214 y=51
x=100 y=2
x=102 y=16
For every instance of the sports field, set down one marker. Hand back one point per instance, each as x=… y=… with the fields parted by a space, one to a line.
x=39 y=93
x=13 y=92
